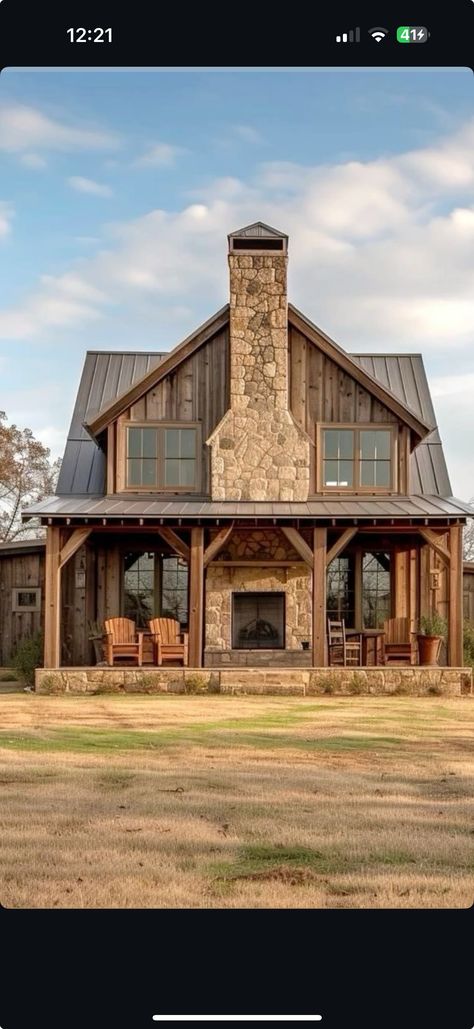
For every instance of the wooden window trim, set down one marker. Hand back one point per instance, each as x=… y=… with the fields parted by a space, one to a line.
x=18 y=608
x=122 y=456
x=356 y=489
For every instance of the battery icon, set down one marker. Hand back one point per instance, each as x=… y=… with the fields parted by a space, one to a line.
x=412 y=34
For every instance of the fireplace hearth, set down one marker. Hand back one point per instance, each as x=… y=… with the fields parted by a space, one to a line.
x=258 y=621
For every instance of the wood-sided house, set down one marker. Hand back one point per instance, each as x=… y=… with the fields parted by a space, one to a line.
x=249 y=482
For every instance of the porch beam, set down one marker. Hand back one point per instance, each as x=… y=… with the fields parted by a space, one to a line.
x=299 y=544
x=196 y=597
x=76 y=539
x=174 y=541
x=438 y=546
x=52 y=604
x=455 y=617
x=340 y=544
x=319 y=597
x=216 y=544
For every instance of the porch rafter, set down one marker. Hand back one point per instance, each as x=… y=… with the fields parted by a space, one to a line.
x=299 y=544
x=340 y=545
x=217 y=544
x=174 y=541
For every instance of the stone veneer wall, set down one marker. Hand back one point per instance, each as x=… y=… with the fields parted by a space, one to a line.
x=258 y=452
x=412 y=681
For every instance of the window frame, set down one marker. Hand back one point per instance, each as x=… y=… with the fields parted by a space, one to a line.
x=357 y=428
x=18 y=608
x=161 y=488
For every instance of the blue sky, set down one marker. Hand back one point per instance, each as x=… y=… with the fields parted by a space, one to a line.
x=117 y=191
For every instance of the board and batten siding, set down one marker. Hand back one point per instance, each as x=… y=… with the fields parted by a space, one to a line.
x=197 y=391
x=18 y=571
x=321 y=392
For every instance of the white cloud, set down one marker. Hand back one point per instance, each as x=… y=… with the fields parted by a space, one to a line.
x=6 y=216
x=34 y=161
x=83 y=185
x=380 y=252
x=159 y=155
x=24 y=128
x=248 y=133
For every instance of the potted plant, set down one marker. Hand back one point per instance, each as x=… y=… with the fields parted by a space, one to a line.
x=433 y=629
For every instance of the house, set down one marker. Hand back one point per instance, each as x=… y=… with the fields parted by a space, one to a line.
x=249 y=482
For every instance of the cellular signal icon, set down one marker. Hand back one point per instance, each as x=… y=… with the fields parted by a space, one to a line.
x=353 y=36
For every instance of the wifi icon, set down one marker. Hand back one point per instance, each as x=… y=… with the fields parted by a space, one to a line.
x=378 y=34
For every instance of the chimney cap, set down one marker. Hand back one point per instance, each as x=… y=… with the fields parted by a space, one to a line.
x=258 y=236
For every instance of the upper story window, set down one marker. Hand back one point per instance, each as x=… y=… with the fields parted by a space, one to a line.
x=357 y=458
x=162 y=457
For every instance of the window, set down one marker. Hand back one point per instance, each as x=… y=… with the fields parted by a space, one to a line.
x=356 y=458
x=153 y=587
x=174 y=589
x=340 y=590
x=139 y=588
x=161 y=457
x=26 y=599
x=376 y=590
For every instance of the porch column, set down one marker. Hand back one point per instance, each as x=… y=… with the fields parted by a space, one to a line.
x=52 y=605
x=196 y=597
x=319 y=597
x=455 y=621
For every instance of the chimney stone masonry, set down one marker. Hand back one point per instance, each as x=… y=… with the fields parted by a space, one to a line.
x=258 y=452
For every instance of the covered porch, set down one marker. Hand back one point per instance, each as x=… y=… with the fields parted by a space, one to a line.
x=253 y=588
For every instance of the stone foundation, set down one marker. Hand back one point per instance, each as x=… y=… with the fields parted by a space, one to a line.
x=408 y=681
x=257 y=658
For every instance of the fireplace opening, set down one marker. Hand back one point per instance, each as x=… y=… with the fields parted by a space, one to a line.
x=258 y=621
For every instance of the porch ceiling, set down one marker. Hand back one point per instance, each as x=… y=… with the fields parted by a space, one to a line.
x=132 y=508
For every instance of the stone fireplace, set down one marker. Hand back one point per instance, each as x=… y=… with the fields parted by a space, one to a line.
x=258 y=621
x=262 y=566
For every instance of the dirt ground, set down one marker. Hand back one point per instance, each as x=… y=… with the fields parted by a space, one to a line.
x=218 y=801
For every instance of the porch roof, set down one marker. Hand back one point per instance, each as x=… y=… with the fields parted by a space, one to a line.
x=132 y=507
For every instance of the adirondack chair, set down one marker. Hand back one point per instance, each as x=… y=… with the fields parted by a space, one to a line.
x=169 y=642
x=121 y=639
x=400 y=646
x=340 y=650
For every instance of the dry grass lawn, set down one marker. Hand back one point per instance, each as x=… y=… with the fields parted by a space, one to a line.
x=217 y=801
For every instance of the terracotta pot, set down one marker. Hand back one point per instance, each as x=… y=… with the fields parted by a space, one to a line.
x=428 y=649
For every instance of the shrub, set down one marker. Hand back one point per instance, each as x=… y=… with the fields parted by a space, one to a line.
x=468 y=644
x=195 y=683
x=357 y=684
x=433 y=625
x=27 y=656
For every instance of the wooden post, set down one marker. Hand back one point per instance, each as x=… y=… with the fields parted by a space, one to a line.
x=319 y=597
x=196 y=597
x=52 y=605
x=455 y=621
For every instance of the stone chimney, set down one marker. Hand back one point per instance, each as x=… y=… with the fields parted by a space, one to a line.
x=258 y=451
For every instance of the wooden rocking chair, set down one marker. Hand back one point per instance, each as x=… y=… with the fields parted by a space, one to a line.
x=121 y=639
x=169 y=642
x=340 y=650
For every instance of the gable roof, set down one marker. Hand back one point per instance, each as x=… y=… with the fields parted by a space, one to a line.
x=346 y=362
x=258 y=229
x=400 y=408
x=108 y=413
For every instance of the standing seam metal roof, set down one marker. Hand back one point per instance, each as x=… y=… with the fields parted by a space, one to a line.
x=108 y=374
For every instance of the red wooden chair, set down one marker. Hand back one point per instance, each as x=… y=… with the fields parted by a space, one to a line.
x=169 y=642
x=121 y=639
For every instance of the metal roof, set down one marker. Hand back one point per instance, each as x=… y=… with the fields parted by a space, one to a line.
x=258 y=229
x=22 y=546
x=136 y=506
x=405 y=376
x=106 y=374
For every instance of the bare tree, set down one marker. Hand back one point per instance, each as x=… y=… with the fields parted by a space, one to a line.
x=27 y=474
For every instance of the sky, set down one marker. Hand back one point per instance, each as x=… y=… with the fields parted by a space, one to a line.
x=118 y=190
